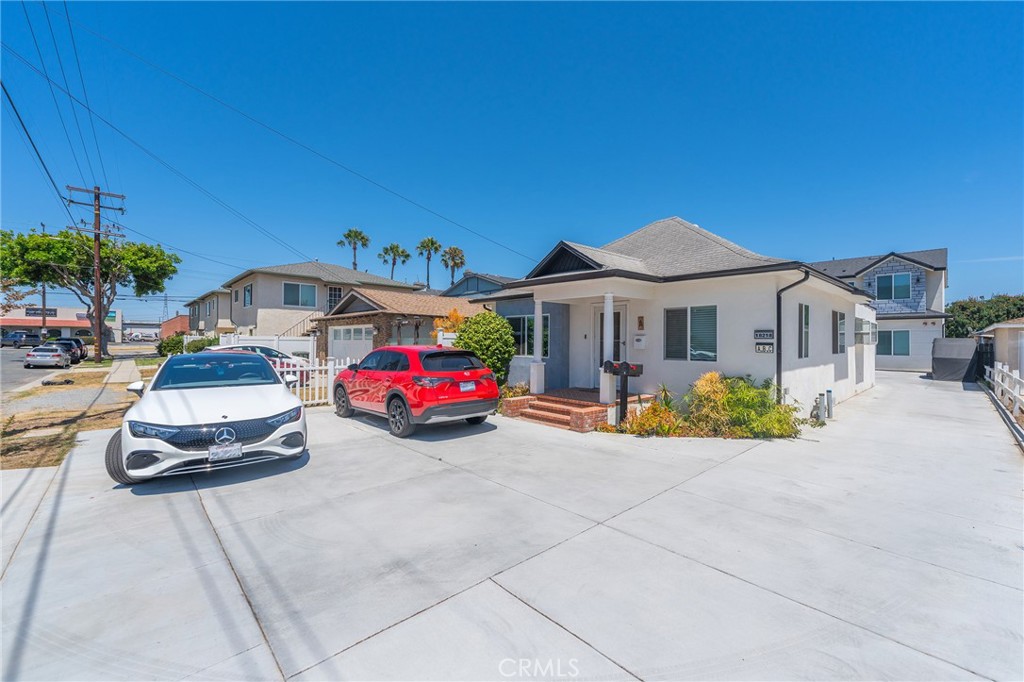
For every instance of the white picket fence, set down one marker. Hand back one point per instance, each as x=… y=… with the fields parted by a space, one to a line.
x=315 y=380
x=1007 y=386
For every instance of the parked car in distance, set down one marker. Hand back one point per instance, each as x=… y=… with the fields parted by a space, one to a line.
x=70 y=347
x=47 y=356
x=21 y=339
x=413 y=385
x=280 y=360
x=83 y=350
x=207 y=411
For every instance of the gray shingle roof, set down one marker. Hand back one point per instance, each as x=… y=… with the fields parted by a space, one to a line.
x=327 y=272
x=612 y=260
x=499 y=279
x=849 y=267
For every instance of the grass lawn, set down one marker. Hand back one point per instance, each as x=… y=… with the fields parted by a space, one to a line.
x=149 y=362
x=86 y=364
x=18 y=452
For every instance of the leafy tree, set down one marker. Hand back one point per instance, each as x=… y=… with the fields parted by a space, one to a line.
x=11 y=295
x=65 y=260
x=971 y=314
x=450 y=323
x=393 y=253
x=426 y=249
x=489 y=335
x=454 y=259
x=357 y=239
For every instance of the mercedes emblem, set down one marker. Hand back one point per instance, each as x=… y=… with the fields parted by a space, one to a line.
x=224 y=435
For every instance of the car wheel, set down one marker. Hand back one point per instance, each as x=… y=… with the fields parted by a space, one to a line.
x=115 y=463
x=399 y=421
x=476 y=420
x=342 y=407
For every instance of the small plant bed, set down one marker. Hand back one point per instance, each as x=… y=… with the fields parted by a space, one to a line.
x=716 y=407
x=43 y=438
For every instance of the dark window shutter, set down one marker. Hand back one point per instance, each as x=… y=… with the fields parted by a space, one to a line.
x=835 y=332
x=676 y=347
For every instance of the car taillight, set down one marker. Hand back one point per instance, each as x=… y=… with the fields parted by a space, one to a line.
x=489 y=377
x=431 y=382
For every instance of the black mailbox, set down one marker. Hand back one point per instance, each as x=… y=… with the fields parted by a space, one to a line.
x=623 y=369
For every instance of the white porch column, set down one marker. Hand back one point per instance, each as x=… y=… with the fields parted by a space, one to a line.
x=607 y=381
x=537 y=366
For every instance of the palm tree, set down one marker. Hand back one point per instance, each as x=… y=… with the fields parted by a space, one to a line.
x=454 y=259
x=427 y=248
x=355 y=238
x=392 y=253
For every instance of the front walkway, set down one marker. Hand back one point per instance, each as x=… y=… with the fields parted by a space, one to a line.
x=886 y=545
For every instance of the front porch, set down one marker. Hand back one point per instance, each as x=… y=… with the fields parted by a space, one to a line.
x=575 y=409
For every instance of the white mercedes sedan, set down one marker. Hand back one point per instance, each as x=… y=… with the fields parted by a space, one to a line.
x=207 y=411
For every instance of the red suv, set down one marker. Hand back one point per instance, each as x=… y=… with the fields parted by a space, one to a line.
x=414 y=385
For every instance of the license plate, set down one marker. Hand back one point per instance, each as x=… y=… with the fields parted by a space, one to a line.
x=229 y=451
x=467 y=386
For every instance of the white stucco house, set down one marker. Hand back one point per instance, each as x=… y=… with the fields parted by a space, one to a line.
x=1007 y=339
x=909 y=289
x=682 y=301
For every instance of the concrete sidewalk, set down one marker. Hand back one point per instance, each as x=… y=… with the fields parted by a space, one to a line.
x=884 y=546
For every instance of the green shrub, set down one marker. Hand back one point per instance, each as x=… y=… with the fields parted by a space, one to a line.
x=657 y=419
x=736 y=407
x=489 y=335
x=197 y=345
x=515 y=390
x=172 y=345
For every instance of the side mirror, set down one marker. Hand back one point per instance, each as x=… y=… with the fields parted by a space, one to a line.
x=136 y=387
x=354 y=367
x=290 y=380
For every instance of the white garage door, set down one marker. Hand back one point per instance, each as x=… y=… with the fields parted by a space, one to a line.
x=353 y=342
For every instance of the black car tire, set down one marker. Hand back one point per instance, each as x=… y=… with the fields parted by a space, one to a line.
x=399 y=420
x=342 y=407
x=115 y=463
x=476 y=420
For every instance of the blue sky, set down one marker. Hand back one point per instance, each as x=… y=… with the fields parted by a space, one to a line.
x=804 y=131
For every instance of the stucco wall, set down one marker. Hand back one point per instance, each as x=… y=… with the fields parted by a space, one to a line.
x=922 y=333
x=556 y=366
x=1008 y=348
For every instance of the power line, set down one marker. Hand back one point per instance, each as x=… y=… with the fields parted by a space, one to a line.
x=85 y=93
x=53 y=94
x=220 y=202
x=174 y=248
x=74 y=114
x=36 y=149
x=304 y=146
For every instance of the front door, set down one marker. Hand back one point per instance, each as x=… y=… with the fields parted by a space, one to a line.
x=618 y=340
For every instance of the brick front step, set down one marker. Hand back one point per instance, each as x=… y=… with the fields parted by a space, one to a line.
x=525 y=418
x=542 y=405
x=541 y=415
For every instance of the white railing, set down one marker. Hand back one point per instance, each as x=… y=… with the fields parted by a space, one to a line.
x=316 y=380
x=1007 y=386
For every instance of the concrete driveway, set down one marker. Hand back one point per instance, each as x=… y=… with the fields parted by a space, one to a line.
x=884 y=546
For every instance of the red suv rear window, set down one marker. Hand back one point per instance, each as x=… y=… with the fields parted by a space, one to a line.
x=449 y=361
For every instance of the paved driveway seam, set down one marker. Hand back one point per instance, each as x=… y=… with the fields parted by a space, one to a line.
x=555 y=622
x=238 y=581
x=796 y=601
x=32 y=518
x=855 y=541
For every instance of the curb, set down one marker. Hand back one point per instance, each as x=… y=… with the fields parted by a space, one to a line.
x=37 y=383
x=1015 y=429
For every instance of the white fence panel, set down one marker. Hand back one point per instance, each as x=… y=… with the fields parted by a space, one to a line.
x=315 y=380
x=1007 y=386
x=301 y=346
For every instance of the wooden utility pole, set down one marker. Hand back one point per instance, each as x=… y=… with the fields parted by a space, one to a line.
x=43 y=335
x=99 y=314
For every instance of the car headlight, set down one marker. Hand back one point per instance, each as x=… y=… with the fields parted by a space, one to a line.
x=291 y=415
x=144 y=430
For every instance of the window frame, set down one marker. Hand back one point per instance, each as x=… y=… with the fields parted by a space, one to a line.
x=688 y=341
x=892 y=286
x=527 y=338
x=803 y=350
x=235 y=295
x=284 y=286
x=838 y=332
x=247 y=295
x=892 y=343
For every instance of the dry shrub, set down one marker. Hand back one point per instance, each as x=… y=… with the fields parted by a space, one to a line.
x=736 y=407
x=657 y=419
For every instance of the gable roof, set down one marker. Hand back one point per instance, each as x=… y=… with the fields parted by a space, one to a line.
x=403 y=303
x=666 y=248
x=326 y=272
x=199 y=299
x=497 y=280
x=933 y=259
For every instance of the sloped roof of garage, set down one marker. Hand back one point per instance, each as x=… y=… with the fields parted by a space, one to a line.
x=363 y=301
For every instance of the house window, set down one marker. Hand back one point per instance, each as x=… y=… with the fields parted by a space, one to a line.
x=300 y=295
x=209 y=308
x=893 y=287
x=247 y=296
x=692 y=333
x=804 y=332
x=838 y=332
x=522 y=331
x=893 y=343
x=235 y=294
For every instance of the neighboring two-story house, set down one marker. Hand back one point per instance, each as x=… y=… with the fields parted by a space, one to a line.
x=285 y=299
x=210 y=313
x=910 y=301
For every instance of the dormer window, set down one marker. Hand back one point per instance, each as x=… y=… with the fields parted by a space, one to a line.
x=893 y=287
